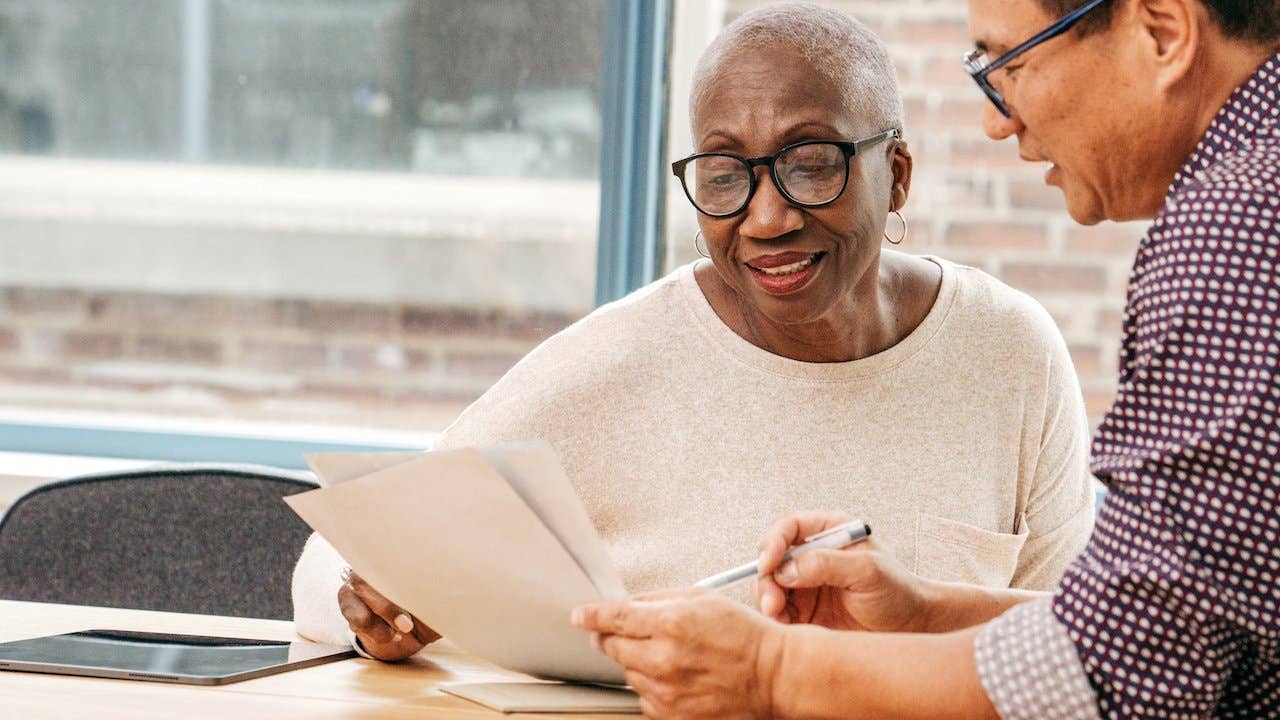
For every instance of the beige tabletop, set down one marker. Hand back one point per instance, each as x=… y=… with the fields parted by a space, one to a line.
x=355 y=688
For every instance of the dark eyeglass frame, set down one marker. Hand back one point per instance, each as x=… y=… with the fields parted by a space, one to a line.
x=980 y=72
x=849 y=148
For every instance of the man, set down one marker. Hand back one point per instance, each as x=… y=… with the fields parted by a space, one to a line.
x=1164 y=109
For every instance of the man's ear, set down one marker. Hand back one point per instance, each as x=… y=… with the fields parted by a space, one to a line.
x=902 y=164
x=1170 y=33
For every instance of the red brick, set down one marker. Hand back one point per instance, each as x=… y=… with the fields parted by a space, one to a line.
x=1105 y=239
x=479 y=364
x=982 y=152
x=946 y=114
x=149 y=310
x=1097 y=401
x=1053 y=277
x=997 y=236
x=325 y=317
x=1086 y=358
x=177 y=349
x=1035 y=195
x=28 y=301
x=1111 y=321
x=944 y=72
x=484 y=322
x=8 y=340
x=89 y=345
x=933 y=32
x=968 y=191
x=282 y=355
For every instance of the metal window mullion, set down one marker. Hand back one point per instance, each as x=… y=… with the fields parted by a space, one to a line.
x=637 y=37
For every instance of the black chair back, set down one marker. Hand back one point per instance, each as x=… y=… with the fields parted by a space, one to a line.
x=210 y=539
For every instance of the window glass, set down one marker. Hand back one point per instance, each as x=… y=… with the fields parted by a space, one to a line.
x=354 y=212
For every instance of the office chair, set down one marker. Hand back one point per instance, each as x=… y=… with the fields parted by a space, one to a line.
x=194 y=538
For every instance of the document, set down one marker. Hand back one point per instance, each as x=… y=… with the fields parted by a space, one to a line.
x=528 y=697
x=492 y=548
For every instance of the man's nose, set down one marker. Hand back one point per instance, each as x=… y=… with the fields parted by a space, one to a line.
x=997 y=126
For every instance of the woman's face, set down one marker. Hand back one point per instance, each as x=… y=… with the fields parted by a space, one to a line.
x=789 y=263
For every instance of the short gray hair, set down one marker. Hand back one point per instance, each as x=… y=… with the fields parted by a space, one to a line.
x=837 y=45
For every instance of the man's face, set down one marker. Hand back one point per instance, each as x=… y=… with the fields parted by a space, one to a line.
x=1077 y=105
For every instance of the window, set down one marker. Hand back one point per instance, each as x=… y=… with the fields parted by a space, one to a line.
x=331 y=212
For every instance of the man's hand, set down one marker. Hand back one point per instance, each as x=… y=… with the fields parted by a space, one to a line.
x=689 y=653
x=858 y=588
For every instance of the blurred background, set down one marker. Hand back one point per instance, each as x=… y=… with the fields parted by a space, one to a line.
x=358 y=214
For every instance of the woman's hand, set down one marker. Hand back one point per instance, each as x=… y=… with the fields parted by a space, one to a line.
x=689 y=653
x=385 y=630
x=858 y=588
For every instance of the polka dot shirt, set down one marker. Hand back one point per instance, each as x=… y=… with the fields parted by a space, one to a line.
x=1172 y=610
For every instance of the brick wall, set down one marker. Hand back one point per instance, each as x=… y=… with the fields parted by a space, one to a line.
x=400 y=366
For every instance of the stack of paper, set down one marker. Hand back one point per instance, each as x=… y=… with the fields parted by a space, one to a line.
x=491 y=547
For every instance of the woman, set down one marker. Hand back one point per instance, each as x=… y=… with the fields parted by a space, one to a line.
x=1172 y=609
x=801 y=366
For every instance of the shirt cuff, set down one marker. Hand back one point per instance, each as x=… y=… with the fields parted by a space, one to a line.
x=355 y=644
x=1030 y=668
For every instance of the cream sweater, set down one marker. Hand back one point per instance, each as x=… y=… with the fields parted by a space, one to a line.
x=963 y=446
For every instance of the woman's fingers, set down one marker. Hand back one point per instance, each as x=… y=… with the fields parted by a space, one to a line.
x=365 y=623
x=391 y=613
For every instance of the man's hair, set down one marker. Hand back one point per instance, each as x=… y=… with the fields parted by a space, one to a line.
x=836 y=45
x=1255 y=21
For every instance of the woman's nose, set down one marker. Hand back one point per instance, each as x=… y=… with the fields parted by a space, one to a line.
x=996 y=125
x=769 y=215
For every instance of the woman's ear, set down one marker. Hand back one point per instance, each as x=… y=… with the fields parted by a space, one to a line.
x=902 y=164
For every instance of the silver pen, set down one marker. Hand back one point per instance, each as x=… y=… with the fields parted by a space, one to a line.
x=832 y=539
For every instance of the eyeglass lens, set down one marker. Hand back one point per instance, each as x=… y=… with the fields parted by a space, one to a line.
x=810 y=174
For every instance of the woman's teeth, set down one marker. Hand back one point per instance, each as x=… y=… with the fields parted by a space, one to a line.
x=792 y=268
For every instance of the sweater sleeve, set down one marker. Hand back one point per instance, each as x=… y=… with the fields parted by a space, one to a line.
x=1059 y=511
x=316 y=580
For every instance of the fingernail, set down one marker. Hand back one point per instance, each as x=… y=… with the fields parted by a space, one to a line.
x=404 y=623
x=576 y=617
x=787 y=573
x=397 y=637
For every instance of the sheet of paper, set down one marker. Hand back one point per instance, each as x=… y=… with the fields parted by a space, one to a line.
x=446 y=537
x=337 y=468
x=524 y=697
x=534 y=471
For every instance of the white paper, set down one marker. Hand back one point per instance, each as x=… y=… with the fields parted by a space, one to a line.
x=337 y=468
x=445 y=536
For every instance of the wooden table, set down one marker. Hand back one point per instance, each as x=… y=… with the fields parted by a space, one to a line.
x=350 y=689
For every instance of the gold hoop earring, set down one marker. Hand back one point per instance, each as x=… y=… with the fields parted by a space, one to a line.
x=901 y=237
x=696 y=246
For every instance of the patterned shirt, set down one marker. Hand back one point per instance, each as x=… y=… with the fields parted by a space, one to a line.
x=1172 y=609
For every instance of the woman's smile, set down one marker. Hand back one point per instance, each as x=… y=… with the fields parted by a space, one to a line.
x=784 y=273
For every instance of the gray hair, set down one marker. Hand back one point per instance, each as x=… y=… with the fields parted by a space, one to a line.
x=837 y=45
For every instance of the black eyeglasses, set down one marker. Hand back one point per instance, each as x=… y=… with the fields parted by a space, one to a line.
x=810 y=174
x=980 y=69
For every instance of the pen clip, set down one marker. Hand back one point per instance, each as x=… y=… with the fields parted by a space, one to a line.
x=843 y=527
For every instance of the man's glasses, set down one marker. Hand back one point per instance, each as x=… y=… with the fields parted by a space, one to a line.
x=810 y=174
x=980 y=68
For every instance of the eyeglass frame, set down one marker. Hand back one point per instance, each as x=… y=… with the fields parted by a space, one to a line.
x=980 y=73
x=850 y=148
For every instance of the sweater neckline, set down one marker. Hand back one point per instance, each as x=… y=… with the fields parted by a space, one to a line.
x=742 y=350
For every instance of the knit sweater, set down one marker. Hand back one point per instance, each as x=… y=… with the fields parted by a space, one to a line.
x=963 y=445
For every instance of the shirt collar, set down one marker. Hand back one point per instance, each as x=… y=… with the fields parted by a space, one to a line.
x=1253 y=106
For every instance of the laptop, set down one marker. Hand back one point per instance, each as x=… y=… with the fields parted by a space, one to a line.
x=160 y=657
